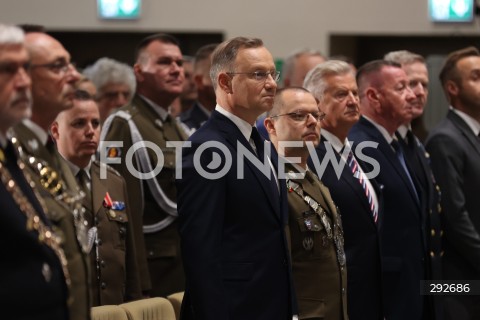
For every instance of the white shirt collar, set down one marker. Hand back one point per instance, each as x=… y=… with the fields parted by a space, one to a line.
x=334 y=141
x=41 y=134
x=403 y=130
x=158 y=109
x=380 y=128
x=242 y=125
x=473 y=124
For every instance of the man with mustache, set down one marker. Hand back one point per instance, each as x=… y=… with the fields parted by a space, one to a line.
x=113 y=262
x=33 y=272
x=315 y=228
x=159 y=75
x=53 y=80
x=359 y=198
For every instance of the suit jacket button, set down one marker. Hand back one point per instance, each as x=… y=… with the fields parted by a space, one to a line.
x=103 y=286
x=102 y=263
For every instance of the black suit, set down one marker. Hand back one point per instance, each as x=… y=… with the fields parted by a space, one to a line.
x=455 y=154
x=361 y=235
x=32 y=284
x=401 y=234
x=232 y=235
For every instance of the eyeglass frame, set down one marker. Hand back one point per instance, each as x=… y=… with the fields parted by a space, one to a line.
x=274 y=74
x=321 y=116
x=57 y=66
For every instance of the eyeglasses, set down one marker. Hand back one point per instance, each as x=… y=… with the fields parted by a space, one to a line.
x=301 y=116
x=260 y=75
x=58 y=66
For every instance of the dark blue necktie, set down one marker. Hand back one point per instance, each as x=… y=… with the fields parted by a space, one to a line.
x=401 y=158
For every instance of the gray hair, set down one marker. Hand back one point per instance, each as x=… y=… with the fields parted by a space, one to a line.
x=106 y=71
x=403 y=57
x=11 y=35
x=223 y=58
x=315 y=78
x=289 y=63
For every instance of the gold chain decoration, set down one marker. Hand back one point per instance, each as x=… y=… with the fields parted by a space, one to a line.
x=53 y=183
x=34 y=223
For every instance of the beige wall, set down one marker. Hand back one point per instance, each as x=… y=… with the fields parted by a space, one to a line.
x=282 y=24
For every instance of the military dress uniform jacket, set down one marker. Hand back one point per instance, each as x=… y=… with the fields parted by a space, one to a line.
x=32 y=284
x=162 y=246
x=63 y=220
x=318 y=260
x=115 y=277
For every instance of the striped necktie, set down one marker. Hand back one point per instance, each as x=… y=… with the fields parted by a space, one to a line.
x=358 y=174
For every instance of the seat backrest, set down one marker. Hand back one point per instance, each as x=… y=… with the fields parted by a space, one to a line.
x=108 y=313
x=149 y=309
x=176 y=301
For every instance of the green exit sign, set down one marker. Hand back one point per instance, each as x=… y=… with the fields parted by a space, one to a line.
x=119 y=9
x=451 y=10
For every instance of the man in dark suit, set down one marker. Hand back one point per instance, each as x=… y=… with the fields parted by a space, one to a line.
x=53 y=79
x=315 y=229
x=419 y=160
x=33 y=270
x=159 y=75
x=195 y=117
x=232 y=215
x=385 y=103
x=358 y=198
x=454 y=146
x=113 y=260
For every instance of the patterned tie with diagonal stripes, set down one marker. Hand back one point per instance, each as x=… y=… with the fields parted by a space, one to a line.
x=358 y=174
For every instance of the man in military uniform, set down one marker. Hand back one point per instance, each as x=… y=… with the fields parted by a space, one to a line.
x=53 y=79
x=315 y=229
x=33 y=284
x=159 y=74
x=113 y=263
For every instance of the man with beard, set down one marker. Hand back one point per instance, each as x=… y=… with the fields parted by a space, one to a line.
x=454 y=146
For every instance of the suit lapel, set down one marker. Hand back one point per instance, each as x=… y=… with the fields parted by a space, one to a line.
x=234 y=135
x=465 y=129
x=385 y=148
